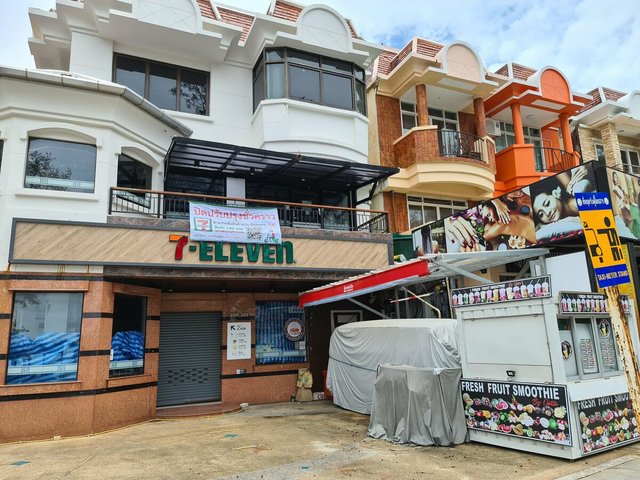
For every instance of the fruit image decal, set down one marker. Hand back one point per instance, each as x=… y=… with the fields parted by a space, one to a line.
x=606 y=422
x=538 y=412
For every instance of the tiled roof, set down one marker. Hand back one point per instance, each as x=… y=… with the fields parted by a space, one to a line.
x=390 y=59
x=206 y=10
x=612 y=94
x=596 y=95
x=521 y=72
x=290 y=11
x=384 y=61
x=425 y=47
x=238 y=19
x=503 y=70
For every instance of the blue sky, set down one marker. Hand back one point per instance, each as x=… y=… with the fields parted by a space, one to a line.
x=592 y=42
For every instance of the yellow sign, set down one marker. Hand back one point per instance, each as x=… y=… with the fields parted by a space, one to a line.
x=601 y=236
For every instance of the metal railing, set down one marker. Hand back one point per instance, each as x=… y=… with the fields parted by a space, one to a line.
x=552 y=160
x=171 y=205
x=460 y=144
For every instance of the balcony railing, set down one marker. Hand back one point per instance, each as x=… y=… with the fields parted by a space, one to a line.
x=460 y=144
x=170 y=205
x=552 y=160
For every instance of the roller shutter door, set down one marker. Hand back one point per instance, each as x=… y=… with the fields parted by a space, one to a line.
x=190 y=358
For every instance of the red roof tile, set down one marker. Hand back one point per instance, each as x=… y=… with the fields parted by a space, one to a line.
x=291 y=12
x=384 y=61
x=503 y=70
x=206 y=10
x=238 y=19
x=425 y=47
x=521 y=72
x=612 y=94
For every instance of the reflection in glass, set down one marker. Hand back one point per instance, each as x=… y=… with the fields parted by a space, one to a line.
x=336 y=91
x=162 y=86
x=304 y=84
x=193 y=92
x=131 y=73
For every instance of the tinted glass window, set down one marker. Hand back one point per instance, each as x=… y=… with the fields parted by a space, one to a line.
x=131 y=73
x=304 y=59
x=275 y=81
x=304 y=84
x=193 y=92
x=58 y=165
x=336 y=65
x=127 y=335
x=162 y=86
x=337 y=91
x=258 y=87
x=133 y=174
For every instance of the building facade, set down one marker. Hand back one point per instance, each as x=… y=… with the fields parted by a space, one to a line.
x=137 y=109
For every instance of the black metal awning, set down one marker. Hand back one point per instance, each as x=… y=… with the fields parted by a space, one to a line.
x=204 y=161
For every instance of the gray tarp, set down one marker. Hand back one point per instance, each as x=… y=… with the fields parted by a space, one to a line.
x=358 y=348
x=422 y=406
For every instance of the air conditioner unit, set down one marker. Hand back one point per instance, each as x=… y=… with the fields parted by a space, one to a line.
x=493 y=127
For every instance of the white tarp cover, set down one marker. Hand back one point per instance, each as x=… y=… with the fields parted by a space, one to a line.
x=421 y=406
x=357 y=349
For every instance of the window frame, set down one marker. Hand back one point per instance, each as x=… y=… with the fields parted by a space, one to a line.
x=442 y=117
x=625 y=158
x=409 y=113
x=456 y=206
x=357 y=77
x=95 y=166
x=178 y=68
x=596 y=146
x=119 y=371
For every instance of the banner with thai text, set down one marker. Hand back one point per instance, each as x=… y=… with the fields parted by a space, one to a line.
x=216 y=223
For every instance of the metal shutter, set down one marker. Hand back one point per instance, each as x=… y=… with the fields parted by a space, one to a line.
x=190 y=358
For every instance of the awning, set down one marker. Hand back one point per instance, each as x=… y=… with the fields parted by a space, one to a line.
x=426 y=268
x=204 y=161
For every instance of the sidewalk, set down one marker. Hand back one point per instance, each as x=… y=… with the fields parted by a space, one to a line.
x=625 y=468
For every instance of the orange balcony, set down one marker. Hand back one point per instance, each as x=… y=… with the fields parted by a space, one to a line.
x=443 y=162
x=520 y=165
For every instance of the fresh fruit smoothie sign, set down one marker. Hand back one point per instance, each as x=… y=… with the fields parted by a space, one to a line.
x=526 y=410
x=606 y=422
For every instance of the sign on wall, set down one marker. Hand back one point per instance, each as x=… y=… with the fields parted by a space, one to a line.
x=238 y=340
x=218 y=223
x=601 y=236
x=535 y=411
x=512 y=291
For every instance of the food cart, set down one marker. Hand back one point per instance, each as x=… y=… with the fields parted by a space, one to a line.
x=541 y=370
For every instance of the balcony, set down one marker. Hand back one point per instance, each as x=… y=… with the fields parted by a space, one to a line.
x=170 y=205
x=443 y=162
x=520 y=165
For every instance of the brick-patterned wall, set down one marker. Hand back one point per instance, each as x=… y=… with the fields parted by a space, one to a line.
x=611 y=145
x=587 y=148
x=467 y=123
x=419 y=146
x=396 y=204
x=389 y=127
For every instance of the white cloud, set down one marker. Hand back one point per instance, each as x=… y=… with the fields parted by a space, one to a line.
x=593 y=43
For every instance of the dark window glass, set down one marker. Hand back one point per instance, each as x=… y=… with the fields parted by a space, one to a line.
x=275 y=55
x=162 y=86
x=45 y=337
x=127 y=336
x=1 y=148
x=304 y=84
x=337 y=91
x=258 y=88
x=133 y=174
x=193 y=92
x=336 y=65
x=303 y=58
x=58 y=165
x=360 y=99
x=131 y=73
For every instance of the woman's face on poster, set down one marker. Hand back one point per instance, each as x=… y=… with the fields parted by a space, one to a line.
x=547 y=207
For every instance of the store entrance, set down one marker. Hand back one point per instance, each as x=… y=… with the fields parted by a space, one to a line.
x=190 y=358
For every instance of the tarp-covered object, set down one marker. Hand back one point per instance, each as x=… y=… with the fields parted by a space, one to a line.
x=418 y=405
x=357 y=349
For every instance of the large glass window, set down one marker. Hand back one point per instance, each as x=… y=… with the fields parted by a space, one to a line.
x=127 y=337
x=426 y=210
x=444 y=119
x=280 y=333
x=58 y=165
x=630 y=160
x=166 y=86
x=287 y=73
x=409 y=116
x=45 y=337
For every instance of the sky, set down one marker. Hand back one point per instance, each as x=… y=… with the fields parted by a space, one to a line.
x=593 y=43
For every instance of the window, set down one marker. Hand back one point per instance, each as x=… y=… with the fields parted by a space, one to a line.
x=1 y=148
x=588 y=347
x=409 y=116
x=342 y=317
x=58 y=165
x=166 y=86
x=599 y=152
x=427 y=210
x=133 y=174
x=127 y=336
x=532 y=136
x=443 y=119
x=45 y=337
x=280 y=333
x=287 y=73
x=630 y=161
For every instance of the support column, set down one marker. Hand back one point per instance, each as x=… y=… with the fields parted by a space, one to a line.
x=421 y=105
x=612 y=155
x=517 y=124
x=566 y=133
x=480 y=117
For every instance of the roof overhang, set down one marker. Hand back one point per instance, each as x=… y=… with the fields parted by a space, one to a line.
x=207 y=160
x=426 y=268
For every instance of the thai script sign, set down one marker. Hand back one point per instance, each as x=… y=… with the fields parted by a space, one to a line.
x=233 y=224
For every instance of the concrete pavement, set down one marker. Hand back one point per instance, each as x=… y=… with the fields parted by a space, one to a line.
x=287 y=441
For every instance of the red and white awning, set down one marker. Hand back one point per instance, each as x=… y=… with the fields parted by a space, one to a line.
x=426 y=268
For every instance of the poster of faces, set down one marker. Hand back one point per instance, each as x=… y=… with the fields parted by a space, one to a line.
x=542 y=213
x=624 y=190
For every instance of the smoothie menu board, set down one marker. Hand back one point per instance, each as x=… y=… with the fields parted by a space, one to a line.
x=592 y=303
x=606 y=422
x=536 y=411
x=515 y=290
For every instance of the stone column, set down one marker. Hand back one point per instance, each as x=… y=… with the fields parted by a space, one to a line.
x=480 y=118
x=517 y=124
x=612 y=155
x=566 y=133
x=421 y=105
